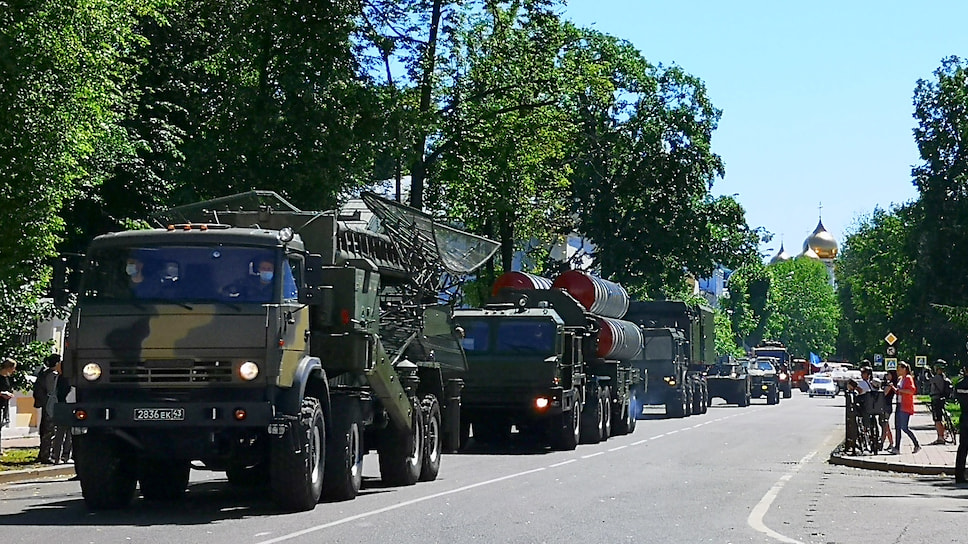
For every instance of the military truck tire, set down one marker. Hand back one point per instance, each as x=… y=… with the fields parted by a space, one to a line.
x=108 y=477
x=772 y=395
x=744 y=400
x=606 y=400
x=787 y=391
x=635 y=410
x=565 y=430
x=705 y=397
x=675 y=405
x=297 y=461
x=591 y=419
x=433 y=439
x=402 y=450
x=343 y=475
x=163 y=480
x=624 y=420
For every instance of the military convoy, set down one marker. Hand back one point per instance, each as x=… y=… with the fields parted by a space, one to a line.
x=280 y=346
x=275 y=344
x=765 y=382
x=679 y=344
x=551 y=359
x=775 y=349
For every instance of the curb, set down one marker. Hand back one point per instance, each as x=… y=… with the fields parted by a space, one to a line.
x=836 y=458
x=13 y=476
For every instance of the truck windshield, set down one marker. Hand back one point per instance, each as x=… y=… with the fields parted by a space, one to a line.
x=658 y=348
x=186 y=274
x=510 y=336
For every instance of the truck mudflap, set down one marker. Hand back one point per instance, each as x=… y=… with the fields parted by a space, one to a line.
x=163 y=414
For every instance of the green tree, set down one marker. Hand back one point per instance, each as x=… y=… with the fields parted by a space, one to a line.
x=802 y=306
x=63 y=72
x=875 y=280
x=941 y=109
x=747 y=304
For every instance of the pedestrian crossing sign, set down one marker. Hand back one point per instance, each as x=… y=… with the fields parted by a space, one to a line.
x=921 y=361
x=890 y=363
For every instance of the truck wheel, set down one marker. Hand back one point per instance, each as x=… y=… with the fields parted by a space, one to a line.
x=675 y=405
x=163 y=480
x=606 y=400
x=343 y=474
x=108 y=477
x=592 y=421
x=744 y=399
x=433 y=439
x=297 y=460
x=565 y=430
x=705 y=398
x=772 y=395
x=401 y=451
x=788 y=391
x=635 y=409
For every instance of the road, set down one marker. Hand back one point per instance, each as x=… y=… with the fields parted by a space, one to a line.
x=756 y=474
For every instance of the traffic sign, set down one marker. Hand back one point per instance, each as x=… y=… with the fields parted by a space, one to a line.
x=891 y=351
x=921 y=360
x=890 y=338
x=890 y=363
x=878 y=359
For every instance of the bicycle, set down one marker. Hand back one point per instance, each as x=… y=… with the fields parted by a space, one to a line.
x=950 y=433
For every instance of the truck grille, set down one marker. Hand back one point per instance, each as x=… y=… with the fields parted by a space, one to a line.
x=171 y=372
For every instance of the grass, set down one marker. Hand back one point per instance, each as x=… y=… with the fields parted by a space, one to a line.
x=19 y=459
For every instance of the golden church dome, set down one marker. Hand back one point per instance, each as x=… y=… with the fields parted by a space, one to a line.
x=821 y=242
x=780 y=257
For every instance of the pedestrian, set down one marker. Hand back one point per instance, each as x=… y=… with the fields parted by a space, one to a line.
x=905 y=407
x=42 y=391
x=961 y=394
x=889 y=389
x=939 y=387
x=7 y=368
x=60 y=443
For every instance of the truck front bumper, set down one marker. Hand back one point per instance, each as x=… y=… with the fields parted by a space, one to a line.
x=164 y=415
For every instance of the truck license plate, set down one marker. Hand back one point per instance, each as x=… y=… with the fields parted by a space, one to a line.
x=159 y=414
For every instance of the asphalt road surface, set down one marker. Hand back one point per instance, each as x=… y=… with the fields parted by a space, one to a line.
x=756 y=474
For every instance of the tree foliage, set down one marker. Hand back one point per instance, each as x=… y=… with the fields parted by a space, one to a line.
x=63 y=75
x=803 y=308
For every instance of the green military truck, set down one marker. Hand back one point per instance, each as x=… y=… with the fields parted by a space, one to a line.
x=539 y=361
x=679 y=345
x=765 y=378
x=274 y=344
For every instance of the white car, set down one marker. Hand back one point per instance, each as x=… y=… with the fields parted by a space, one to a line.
x=823 y=386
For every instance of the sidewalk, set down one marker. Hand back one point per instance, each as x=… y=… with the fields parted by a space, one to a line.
x=46 y=471
x=931 y=460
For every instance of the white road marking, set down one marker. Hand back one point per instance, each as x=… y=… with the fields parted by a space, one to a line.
x=755 y=519
x=562 y=463
x=596 y=454
x=618 y=448
x=397 y=506
x=640 y=442
x=657 y=436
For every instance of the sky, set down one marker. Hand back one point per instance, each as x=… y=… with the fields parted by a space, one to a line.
x=817 y=97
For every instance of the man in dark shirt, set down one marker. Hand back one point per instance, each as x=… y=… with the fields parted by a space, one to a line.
x=961 y=395
x=937 y=386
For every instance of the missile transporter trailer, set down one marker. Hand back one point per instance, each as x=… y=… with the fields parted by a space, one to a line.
x=271 y=343
x=539 y=361
x=679 y=344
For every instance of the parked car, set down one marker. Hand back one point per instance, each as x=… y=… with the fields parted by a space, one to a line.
x=823 y=386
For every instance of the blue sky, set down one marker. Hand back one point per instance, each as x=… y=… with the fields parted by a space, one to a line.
x=817 y=97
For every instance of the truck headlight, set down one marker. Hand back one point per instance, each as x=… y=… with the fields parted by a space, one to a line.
x=248 y=371
x=542 y=403
x=91 y=372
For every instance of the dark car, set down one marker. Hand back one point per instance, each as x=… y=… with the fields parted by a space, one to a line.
x=729 y=381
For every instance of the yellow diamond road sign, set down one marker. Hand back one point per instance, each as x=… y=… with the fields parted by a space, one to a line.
x=890 y=338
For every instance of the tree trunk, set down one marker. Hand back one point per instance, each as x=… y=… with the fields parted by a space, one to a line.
x=418 y=172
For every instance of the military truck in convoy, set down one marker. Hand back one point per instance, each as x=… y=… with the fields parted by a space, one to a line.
x=274 y=344
x=778 y=351
x=540 y=361
x=679 y=344
x=729 y=380
x=765 y=380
